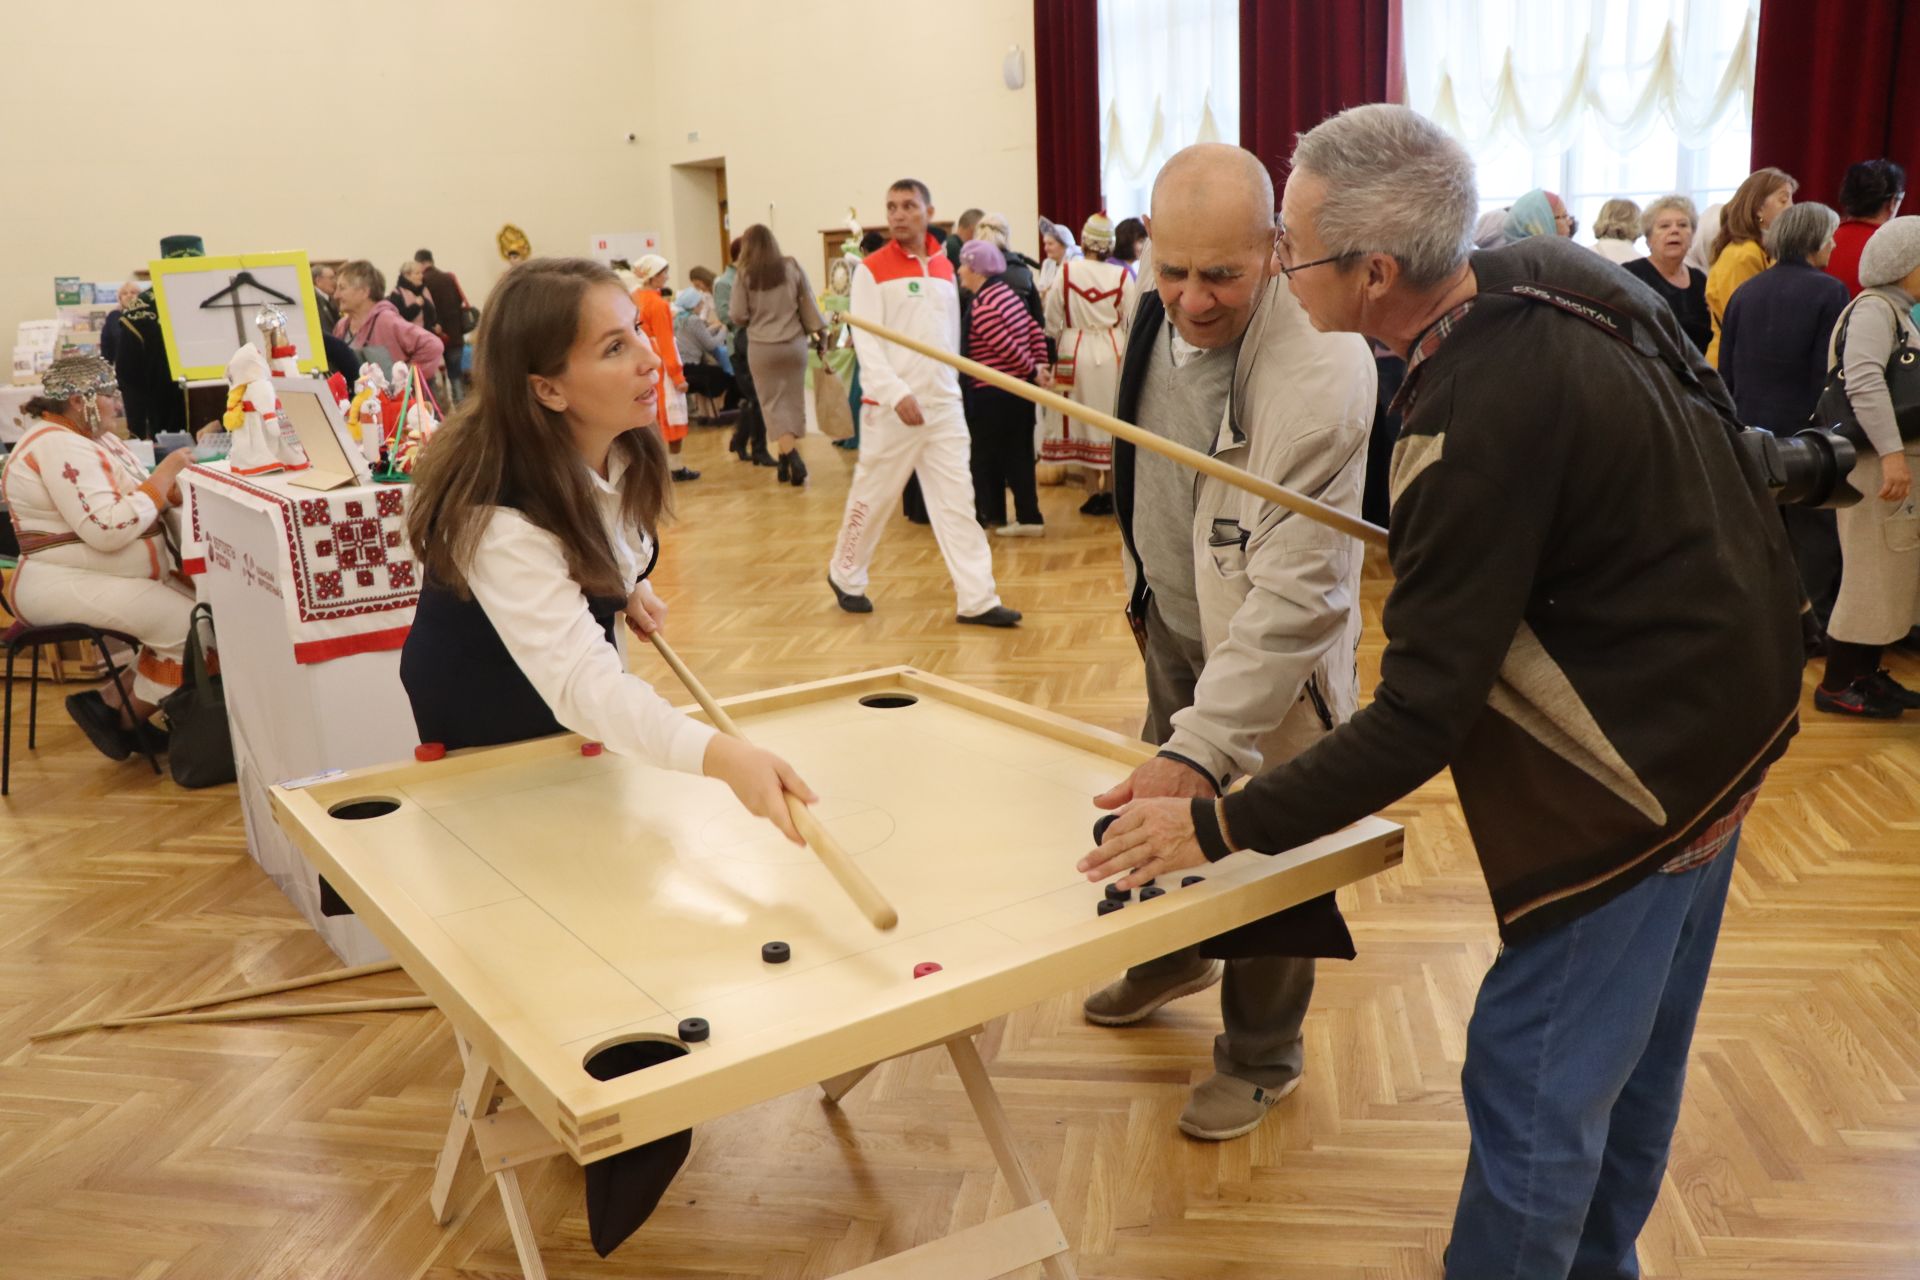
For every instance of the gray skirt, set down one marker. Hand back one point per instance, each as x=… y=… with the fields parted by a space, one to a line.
x=780 y=380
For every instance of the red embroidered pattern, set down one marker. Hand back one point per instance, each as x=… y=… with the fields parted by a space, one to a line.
x=72 y=477
x=346 y=564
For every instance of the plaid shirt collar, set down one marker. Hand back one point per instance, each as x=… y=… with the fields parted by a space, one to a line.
x=1423 y=348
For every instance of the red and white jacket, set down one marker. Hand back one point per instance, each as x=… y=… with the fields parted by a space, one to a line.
x=920 y=299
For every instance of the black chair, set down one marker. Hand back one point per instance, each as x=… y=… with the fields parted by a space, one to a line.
x=23 y=636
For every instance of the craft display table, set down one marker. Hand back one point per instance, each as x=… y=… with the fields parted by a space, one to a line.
x=555 y=902
x=312 y=594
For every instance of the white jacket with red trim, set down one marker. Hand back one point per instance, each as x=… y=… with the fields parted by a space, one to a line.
x=84 y=502
x=920 y=299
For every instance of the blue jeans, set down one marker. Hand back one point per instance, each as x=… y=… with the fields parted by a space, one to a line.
x=1576 y=1056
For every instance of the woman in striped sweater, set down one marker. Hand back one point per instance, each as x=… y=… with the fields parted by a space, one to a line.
x=1002 y=334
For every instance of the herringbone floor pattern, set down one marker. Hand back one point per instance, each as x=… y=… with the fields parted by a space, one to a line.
x=303 y=1149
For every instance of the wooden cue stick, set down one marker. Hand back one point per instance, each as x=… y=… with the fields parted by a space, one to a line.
x=200 y=1002
x=1280 y=496
x=867 y=897
x=281 y=1011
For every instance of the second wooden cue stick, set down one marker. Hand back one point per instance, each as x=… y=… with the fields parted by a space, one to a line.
x=224 y=997
x=1279 y=495
x=862 y=890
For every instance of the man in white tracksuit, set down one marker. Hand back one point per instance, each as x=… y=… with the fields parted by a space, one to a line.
x=911 y=418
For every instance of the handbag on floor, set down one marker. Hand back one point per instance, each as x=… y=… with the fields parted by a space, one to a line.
x=200 y=746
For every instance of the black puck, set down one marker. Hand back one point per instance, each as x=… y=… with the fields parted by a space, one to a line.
x=775 y=952
x=1187 y=880
x=694 y=1030
x=1100 y=826
x=1116 y=894
x=1150 y=892
x=1109 y=905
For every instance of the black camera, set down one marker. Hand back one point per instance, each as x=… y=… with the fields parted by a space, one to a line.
x=1806 y=469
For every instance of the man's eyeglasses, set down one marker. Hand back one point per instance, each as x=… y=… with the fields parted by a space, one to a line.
x=1285 y=250
x=1288 y=271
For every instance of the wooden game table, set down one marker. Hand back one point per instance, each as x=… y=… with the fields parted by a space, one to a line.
x=553 y=902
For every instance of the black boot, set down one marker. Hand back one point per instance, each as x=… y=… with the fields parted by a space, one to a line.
x=758 y=439
x=785 y=460
x=737 y=445
x=796 y=469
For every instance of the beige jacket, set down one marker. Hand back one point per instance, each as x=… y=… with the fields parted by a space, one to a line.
x=1279 y=594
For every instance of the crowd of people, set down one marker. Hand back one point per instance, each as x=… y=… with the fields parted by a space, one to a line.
x=1538 y=630
x=1806 y=312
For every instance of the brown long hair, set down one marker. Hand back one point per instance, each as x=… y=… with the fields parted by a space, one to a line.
x=503 y=447
x=1740 y=220
x=762 y=265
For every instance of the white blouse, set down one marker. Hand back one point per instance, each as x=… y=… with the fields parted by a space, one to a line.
x=519 y=576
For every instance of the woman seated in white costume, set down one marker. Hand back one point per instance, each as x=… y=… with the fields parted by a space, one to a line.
x=91 y=547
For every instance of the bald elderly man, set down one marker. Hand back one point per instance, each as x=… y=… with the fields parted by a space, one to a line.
x=1247 y=614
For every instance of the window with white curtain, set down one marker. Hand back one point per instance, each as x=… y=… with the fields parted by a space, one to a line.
x=1590 y=98
x=1169 y=77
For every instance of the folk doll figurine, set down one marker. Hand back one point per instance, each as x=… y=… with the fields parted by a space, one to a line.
x=282 y=362
x=253 y=416
x=364 y=417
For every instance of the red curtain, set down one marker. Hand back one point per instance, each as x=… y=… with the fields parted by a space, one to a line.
x=1831 y=89
x=1066 y=94
x=1304 y=60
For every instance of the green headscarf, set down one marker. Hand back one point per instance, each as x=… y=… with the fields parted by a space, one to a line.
x=1530 y=215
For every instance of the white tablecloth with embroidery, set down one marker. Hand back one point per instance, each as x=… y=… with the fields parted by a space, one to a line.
x=345 y=574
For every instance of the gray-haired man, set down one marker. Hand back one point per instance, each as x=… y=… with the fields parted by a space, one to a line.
x=1593 y=622
x=1248 y=613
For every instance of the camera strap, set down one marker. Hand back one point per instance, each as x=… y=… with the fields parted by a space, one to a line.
x=1617 y=324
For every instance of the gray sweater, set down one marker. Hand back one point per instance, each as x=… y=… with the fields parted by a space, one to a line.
x=780 y=314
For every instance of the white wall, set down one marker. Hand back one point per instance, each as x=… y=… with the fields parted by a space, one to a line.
x=431 y=122
x=839 y=98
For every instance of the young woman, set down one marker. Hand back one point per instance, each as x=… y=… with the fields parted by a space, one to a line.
x=773 y=300
x=534 y=518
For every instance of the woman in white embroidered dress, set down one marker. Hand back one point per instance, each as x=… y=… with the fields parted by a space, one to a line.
x=88 y=518
x=1089 y=311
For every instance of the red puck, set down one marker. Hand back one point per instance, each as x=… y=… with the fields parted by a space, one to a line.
x=924 y=968
x=430 y=751
x=591 y=748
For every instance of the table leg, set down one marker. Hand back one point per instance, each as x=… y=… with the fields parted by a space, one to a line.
x=475 y=1099
x=993 y=1119
x=841 y=1085
x=520 y=1225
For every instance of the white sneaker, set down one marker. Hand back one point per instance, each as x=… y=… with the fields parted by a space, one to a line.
x=1020 y=531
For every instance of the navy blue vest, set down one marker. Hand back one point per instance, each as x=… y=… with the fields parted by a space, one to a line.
x=465 y=687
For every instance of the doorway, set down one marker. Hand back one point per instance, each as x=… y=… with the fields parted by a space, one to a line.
x=701 y=230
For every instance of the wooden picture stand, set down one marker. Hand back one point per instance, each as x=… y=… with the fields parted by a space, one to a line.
x=506 y=1135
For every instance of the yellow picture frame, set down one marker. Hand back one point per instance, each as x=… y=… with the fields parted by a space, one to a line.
x=291 y=272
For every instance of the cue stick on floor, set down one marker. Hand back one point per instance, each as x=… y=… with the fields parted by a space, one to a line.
x=1280 y=496
x=825 y=847
x=282 y=1011
x=226 y=997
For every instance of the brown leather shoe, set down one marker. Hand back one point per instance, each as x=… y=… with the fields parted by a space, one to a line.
x=1127 y=1000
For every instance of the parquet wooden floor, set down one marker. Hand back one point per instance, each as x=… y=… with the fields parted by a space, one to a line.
x=303 y=1149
